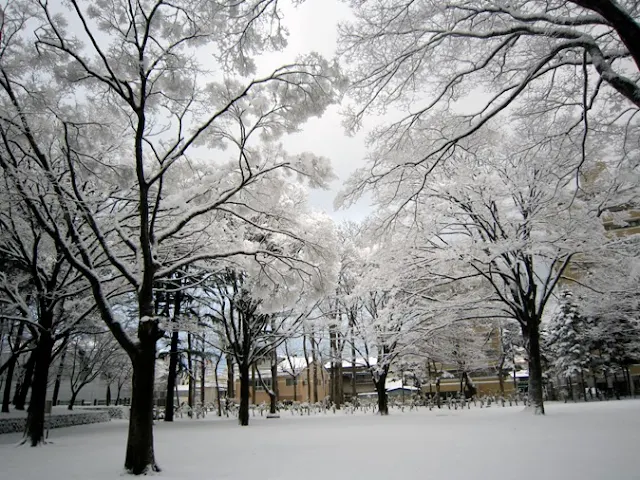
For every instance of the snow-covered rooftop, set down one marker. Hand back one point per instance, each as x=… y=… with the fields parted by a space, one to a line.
x=360 y=362
x=397 y=385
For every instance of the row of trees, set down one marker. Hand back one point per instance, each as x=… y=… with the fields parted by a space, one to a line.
x=143 y=190
x=580 y=346
x=128 y=167
x=508 y=138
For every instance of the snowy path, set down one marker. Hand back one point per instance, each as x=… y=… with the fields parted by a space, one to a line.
x=587 y=441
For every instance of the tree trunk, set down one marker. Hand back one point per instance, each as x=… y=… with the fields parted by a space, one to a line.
x=230 y=378
x=203 y=371
x=72 y=402
x=340 y=392
x=630 y=387
x=11 y=367
x=243 y=413
x=35 y=416
x=56 y=386
x=295 y=388
x=535 y=366
x=108 y=396
x=6 y=398
x=584 y=385
x=273 y=399
x=354 y=391
x=314 y=360
x=169 y=406
x=503 y=359
x=333 y=376
x=20 y=398
x=253 y=384
x=215 y=377
x=140 y=456
x=306 y=359
x=381 y=389
x=571 y=388
x=191 y=373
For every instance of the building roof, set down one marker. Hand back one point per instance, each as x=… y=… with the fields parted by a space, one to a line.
x=185 y=388
x=360 y=362
x=397 y=385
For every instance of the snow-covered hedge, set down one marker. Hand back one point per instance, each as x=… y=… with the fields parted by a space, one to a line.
x=120 y=412
x=17 y=424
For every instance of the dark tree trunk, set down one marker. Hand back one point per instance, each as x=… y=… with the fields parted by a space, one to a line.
x=215 y=376
x=340 y=399
x=11 y=368
x=169 y=405
x=532 y=335
x=56 y=386
x=620 y=19
x=354 y=391
x=630 y=388
x=295 y=388
x=231 y=393
x=35 y=416
x=190 y=397
x=273 y=398
x=20 y=398
x=6 y=397
x=72 y=401
x=352 y=323
x=108 y=396
x=171 y=378
x=381 y=389
x=333 y=376
x=203 y=371
x=571 y=389
x=306 y=359
x=315 y=369
x=243 y=413
x=140 y=456
x=253 y=384
x=118 y=394
x=503 y=359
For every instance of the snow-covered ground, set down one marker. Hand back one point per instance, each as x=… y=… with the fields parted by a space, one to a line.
x=597 y=440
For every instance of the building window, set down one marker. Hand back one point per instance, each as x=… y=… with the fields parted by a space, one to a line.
x=292 y=381
x=258 y=383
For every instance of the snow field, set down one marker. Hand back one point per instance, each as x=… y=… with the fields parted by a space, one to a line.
x=597 y=440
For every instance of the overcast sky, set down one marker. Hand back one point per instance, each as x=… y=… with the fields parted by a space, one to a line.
x=313 y=27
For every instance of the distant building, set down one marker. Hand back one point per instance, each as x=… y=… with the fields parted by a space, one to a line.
x=293 y=381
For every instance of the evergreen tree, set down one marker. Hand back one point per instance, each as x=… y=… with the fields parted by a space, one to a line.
x=568 y=340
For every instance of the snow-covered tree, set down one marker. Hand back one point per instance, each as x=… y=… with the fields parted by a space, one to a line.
x=110 y=128
x=89 y=358
x=567 y=340
x=441 y=71
x=41 y=290
x=503 y=224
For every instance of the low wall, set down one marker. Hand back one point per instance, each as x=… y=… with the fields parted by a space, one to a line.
x=119 y=412
x=57 y=420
